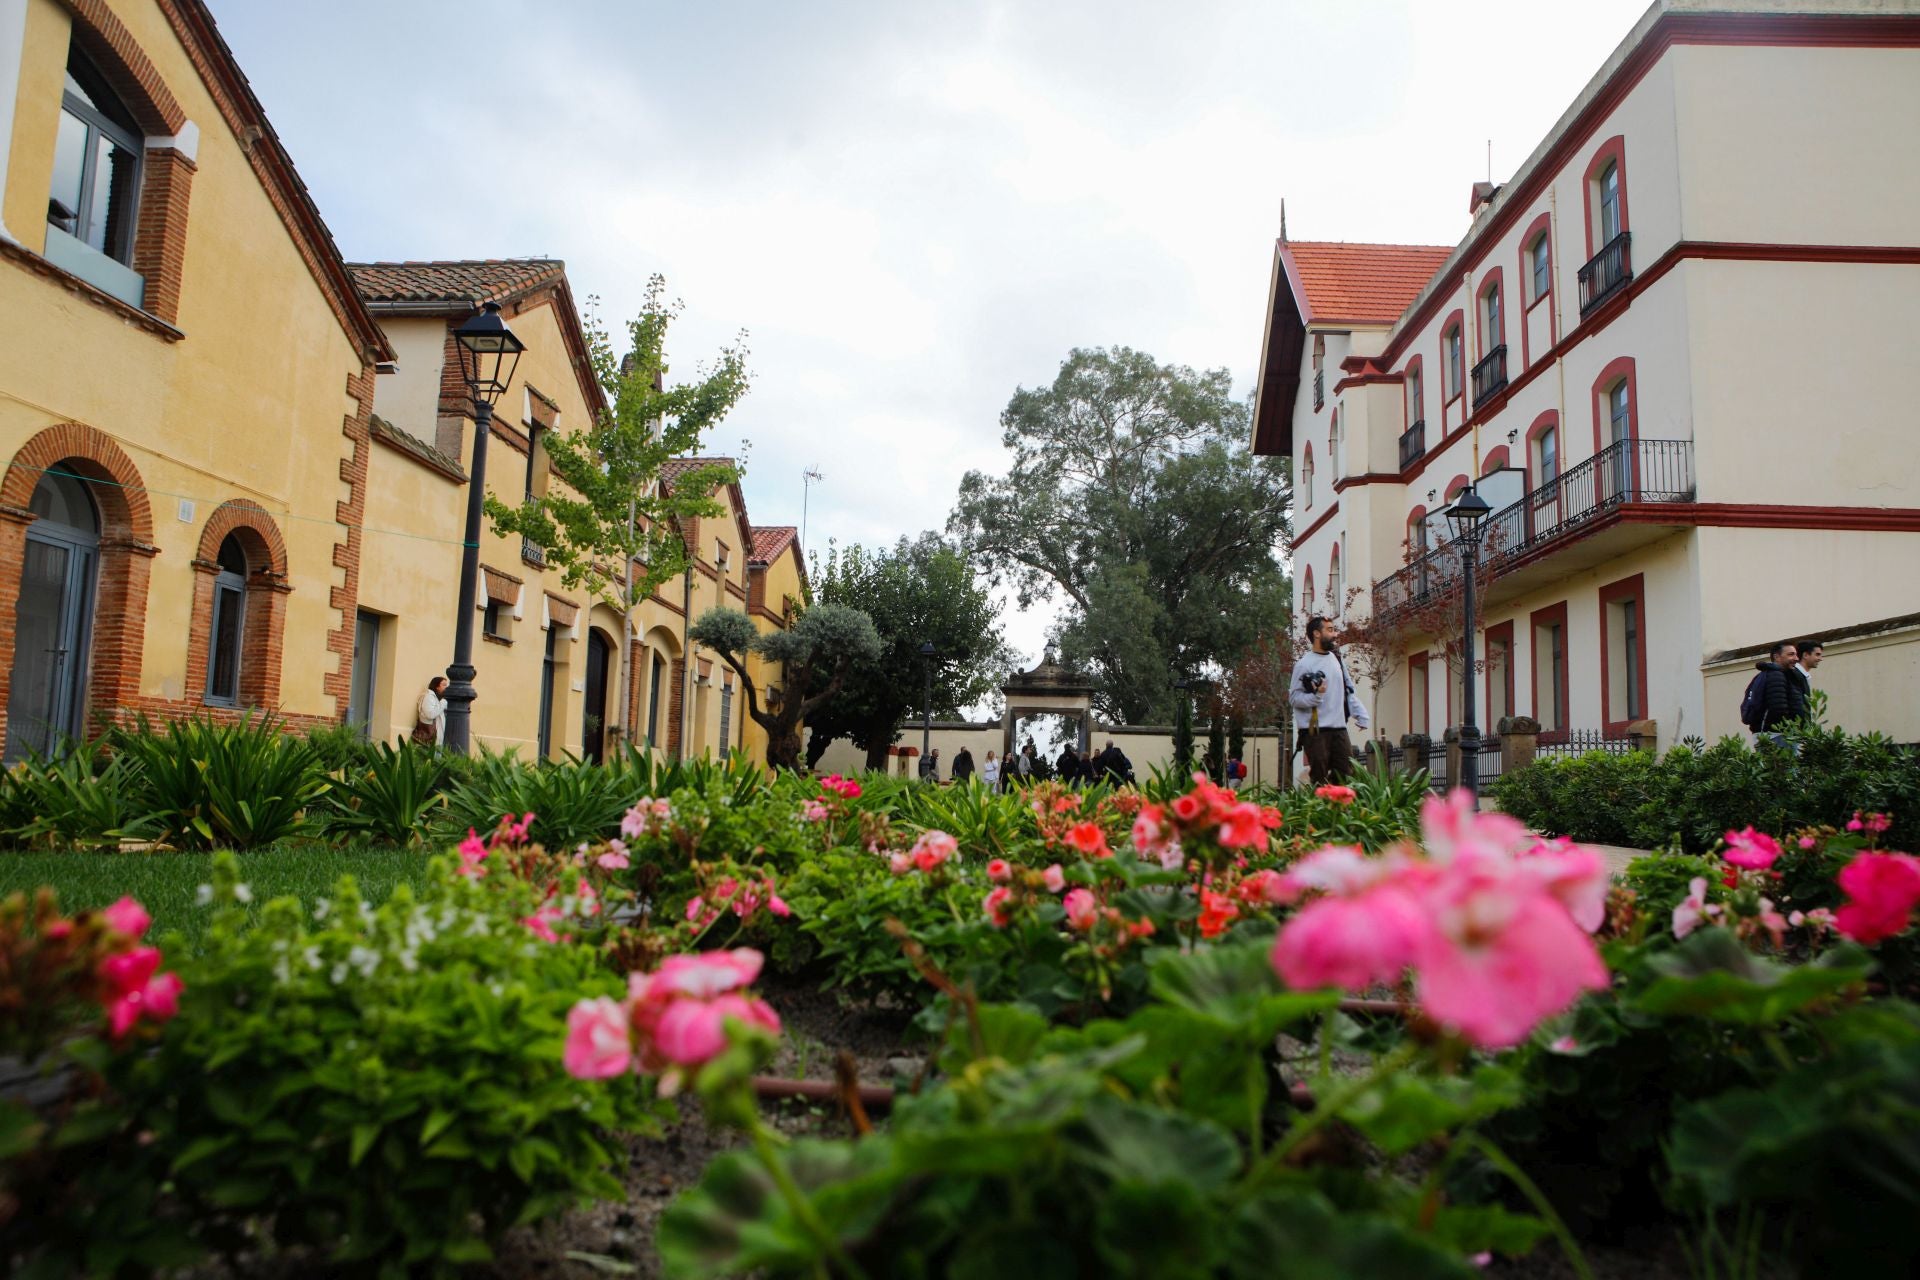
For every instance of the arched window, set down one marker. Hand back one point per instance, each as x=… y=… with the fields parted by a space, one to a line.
x=1453 y=363
x=1306 y=479
x=229 y=624
x=1337 y=445
x=1619 y=413
x=1606 y=194
x=46 y=702
x=1334 y=595
x=1310 y=597
x=1417 y=541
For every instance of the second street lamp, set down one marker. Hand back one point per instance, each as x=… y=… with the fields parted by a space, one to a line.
x=488 y=353
x=1465 y=515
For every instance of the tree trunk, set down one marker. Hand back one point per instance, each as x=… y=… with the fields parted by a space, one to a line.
x=877 y=756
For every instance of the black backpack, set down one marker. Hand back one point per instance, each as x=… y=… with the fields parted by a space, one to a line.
x=1753 y=703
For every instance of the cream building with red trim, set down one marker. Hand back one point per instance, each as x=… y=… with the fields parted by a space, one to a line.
x=1671 y=352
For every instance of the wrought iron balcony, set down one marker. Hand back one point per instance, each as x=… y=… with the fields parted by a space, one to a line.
x=1413 y=444
x=1561 y=510
x=1319 y=388
x=532 y=552
x=1490 y=375
x=1608 y=273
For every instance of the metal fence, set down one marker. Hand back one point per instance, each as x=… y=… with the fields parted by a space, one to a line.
x=1579 y=742
x=1574 y=743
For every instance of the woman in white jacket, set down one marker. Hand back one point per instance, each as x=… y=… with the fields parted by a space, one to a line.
x=990 y=773
x=430 y=725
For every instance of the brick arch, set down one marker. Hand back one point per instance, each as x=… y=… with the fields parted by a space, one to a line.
x=105 y=39
x=263 y=629
x=126 y=553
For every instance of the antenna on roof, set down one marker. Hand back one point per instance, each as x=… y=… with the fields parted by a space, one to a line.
x=1283 y=219
x=808 y=478
x=1489 y=159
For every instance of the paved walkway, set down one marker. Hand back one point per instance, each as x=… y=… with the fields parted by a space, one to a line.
x=1618 y=856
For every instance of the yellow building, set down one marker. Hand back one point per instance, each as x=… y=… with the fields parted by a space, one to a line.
x=186 y=383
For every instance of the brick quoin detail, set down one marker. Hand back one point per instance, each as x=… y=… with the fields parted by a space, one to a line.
x=262 y=642
x=160 y=237
x=126 y=553
x=346 y=554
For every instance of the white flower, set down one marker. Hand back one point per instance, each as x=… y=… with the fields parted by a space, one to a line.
x=312 y=955
x=281 y=973
x=242 y=893
x=320 y=908
x=203 y=895
x=339 y=974
x=365 y=959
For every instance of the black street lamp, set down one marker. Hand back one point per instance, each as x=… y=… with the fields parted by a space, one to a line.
x=926 y=712
x=1465 y=517
x=488 y=354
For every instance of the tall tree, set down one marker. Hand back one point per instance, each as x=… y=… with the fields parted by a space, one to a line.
x=1132 y=493
x=919 y=592
x=605 y=520
x=814 y=654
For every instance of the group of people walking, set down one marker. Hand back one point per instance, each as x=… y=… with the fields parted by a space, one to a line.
x=1781 y=690
x=1071 y=767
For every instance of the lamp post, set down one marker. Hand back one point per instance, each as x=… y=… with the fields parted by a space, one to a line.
x=1465 y=515
x=926 y=707
x=488 y=354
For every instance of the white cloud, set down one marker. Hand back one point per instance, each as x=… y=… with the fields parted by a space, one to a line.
x=912 y=208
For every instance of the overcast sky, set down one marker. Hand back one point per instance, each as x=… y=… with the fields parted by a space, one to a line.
x=913 y=208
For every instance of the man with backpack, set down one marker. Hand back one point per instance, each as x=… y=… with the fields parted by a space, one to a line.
x=1324 y=703
x=1776 y=694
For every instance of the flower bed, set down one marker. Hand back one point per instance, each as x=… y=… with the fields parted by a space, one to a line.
x=1173 y=1032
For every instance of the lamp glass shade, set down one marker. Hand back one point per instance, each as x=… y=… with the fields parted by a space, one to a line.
x=1466 y=513
x=488 y=353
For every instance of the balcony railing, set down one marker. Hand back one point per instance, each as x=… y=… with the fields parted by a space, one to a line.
x=1608 y=273
x=1490 y=376
x=1413 y=444
x=532 y=552
x=1559 y=510
x=1319 y=388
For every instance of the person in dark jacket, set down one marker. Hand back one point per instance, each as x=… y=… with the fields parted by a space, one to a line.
x=1114 y=765
x=1068 y=765
x=962 y=765
x=1783 y=692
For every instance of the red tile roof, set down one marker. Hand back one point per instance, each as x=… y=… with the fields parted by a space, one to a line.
x=673 y=468
x=1362 y=283
x=770 y=542
x=470 y=282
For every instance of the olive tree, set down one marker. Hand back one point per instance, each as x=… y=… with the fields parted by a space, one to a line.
x=814 y=654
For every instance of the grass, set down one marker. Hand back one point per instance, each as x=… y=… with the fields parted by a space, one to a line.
x=167 y=884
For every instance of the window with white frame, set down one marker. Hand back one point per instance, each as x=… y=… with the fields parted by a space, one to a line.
x=96 y=164
x=1416 y=400
x=1606 y=197
x=1619 y=413
x=1546 y=455
x=1306 y=479
x=1337 y=444
x=1492 y=324
x=1334 y=597
x=1452 y=366
x=1540 y=262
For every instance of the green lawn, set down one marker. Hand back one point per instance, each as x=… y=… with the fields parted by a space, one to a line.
x=167 y=883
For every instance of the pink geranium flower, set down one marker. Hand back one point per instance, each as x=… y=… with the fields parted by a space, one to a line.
x=615 y=858
x=1335 y=792
x=813 y=811
x=1687 y=915
x=472 y=854
x=1243 y=828
x=1054 y=878
x=598 y=1045
x=899 y=863
x=1083 y=910
x=128 y=917
x=995 y=905
x=1149 y=827
x=136 y=990
x=690 y=1033
x=999 y=870
x=1752 y=850
x=1882 y=889
x=1350 y=942
x=933 y=848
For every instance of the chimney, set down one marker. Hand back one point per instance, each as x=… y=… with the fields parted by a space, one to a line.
x=1483 y=193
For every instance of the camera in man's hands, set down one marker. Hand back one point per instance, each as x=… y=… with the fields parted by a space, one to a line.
x=1313 y=681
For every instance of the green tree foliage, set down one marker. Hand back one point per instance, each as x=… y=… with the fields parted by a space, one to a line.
x=920 y=591
x=1183 y=733
x=814 y=654
x=606 y=522
x=1217 y=746
x=1132 y=493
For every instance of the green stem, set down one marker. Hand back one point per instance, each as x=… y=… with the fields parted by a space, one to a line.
x=1330 y=1104
x=1544 y=1207
x=803 y=1211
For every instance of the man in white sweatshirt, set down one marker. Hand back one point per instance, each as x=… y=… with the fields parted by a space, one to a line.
x=1324 y=703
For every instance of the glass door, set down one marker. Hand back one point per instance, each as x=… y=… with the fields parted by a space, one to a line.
x=366 y=669
x=47 y=700
x=546 y=695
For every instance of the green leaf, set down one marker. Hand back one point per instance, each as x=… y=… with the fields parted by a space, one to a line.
x=1130 y=1142
x=363 y=1136
x=1711 y=975
x=1482 y=1228
x=1406 y=1110
x=1007 y=1031
x=736 y=1221
x=437 y=1121
x=89 y=1122
x=998 y=1251
x=202 y=1147
x=1304 y=1232
x=466 y=1249
x=20 y=1129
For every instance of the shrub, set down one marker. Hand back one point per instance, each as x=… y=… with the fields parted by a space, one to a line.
x=573 y=802
x=342 y=746
x=388 y=797
x=206 y=784
x=380 y=1086
x=82 y=799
